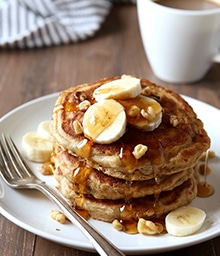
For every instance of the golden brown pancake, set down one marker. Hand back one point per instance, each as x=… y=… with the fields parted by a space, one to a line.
x=149 y=207
x=174 y=146
x=107 y=180
x=70 y=171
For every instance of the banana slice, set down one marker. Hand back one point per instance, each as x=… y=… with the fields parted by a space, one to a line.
x=125 y=88
x=36 y=148
x=143 y=112
x=184 y=221
x=43 y=130
x=105 y=121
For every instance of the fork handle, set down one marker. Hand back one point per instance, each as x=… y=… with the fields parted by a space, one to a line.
x=101 y=244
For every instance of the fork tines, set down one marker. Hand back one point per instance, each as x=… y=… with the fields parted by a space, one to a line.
x=12 y=159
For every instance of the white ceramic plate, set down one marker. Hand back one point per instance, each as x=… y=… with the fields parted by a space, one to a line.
x=30 y=209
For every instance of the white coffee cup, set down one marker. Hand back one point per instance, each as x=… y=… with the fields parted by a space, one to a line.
x=181 y=45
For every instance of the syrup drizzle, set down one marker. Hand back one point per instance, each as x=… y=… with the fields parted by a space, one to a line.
x=205 y=189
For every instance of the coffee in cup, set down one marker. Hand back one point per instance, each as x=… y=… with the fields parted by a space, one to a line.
x=190 y=4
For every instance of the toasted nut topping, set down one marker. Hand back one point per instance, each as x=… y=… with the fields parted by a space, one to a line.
x=139 y=151
x=174 y=121
x=148 y=227
x=146 y=91
x=149 y=114
x=145 y=114
x=117 y=225
x=46 y=168
x=84 y=105
x=134 y=111
x=58 y=216
x=77 y=127
x=80 y=95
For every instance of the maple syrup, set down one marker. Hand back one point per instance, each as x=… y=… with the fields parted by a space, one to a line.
x=84 y=148
x=129 y=227
x=80 y=177
x=46 y=168
x=205 y=189
x=158 y=206
x=83 y=213
x=127 y=159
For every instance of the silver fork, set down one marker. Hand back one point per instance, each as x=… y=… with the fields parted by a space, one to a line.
x=17 y=174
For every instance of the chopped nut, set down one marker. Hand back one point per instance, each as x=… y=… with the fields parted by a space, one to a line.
x=149 y=114
x=84 y=105
x=134 y=111
x=117 y=225
x=46 y=168
x=77 y=127
x=80 y=95
x=146 y=91
x=58 y=216
x=145 y=114
x=174 y=121
x=148 y=227
x=139 y=151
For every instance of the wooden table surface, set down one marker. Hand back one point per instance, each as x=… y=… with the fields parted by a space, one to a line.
x=116 y=49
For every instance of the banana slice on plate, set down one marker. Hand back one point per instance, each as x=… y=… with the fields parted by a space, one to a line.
x=105 y=121
x=125 y=88
x=43 y=130
x=36 y=148
x=184 y=221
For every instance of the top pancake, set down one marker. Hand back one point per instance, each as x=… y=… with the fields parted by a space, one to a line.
x=174 y=146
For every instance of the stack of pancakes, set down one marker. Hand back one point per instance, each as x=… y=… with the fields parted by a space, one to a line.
x=107 y=180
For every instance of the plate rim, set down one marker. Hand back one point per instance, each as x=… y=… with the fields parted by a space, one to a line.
x=86 y=245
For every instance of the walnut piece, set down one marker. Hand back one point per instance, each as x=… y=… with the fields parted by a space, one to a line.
x=148 y=227
x=117 y=225
x=134 y=111
x=139 y=151
x=58 y=216
x=174 y=121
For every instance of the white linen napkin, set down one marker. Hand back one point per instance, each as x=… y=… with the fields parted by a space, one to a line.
x=37 y=23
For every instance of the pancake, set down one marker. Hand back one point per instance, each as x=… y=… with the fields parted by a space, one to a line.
x=74 y=174
x=148 y=207
x=174 y=146
x=108 y=180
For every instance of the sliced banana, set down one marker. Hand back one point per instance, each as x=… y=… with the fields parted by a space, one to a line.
x=143 y=112
x=125 y=88
x=36 y=148
x=43 y=130
x=184 y=221
x=105 y=121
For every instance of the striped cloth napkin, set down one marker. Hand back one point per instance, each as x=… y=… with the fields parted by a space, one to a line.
x=37 y=23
